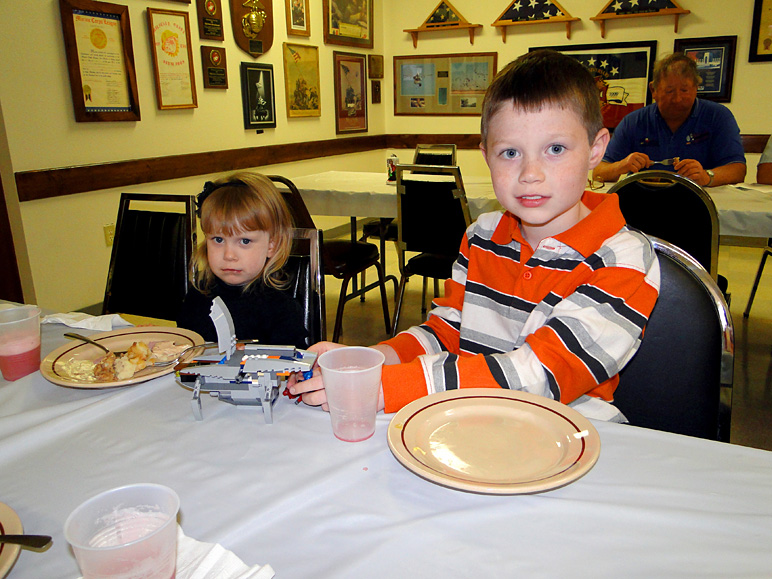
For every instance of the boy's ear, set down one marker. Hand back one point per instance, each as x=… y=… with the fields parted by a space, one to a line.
x=598 y=147
x=484 y=153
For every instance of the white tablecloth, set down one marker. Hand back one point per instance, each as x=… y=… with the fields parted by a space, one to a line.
x=293 y=496
x=744 y=211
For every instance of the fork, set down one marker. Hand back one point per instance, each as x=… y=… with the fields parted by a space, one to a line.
x=175 y=361
x=666 y=161
x=75 y=336
x=34 y=542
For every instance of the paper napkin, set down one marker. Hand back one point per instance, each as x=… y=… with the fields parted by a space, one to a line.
x=86 y=321
x=198 y=560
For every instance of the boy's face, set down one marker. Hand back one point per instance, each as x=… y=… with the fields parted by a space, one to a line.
x=238 y=259
x=539 y=163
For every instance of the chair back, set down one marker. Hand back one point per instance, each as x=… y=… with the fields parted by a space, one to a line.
x=304 y=269
x=435 y=155
x=666 y=205
x=432 y=209
x=294 y=200
x=152 y=247
x=680 y=378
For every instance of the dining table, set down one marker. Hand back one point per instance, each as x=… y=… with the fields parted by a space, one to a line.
x=291 y=495
x=744 y=210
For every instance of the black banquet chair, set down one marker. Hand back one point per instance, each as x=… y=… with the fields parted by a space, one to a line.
x=681 y=377
x=671 y=207
x=155 y=235
x=306 y=281
x=342 y=259
x=433 y=215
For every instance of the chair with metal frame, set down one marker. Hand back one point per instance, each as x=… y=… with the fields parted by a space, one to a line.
x=676 y=209
x=680 y=378
x=764 y=256
x=432 y=216
x=342 y=259
x=306 y=281
x=153 y=243
x=435 y=155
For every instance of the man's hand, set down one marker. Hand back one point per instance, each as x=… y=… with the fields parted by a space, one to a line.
x=692 y=169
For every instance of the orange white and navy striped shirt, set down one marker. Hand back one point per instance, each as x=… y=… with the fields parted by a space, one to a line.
x=560 y=321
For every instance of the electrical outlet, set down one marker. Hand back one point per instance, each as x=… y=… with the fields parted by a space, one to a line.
x=109 y=234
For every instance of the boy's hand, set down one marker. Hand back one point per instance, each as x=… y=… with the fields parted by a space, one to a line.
x=312 y=390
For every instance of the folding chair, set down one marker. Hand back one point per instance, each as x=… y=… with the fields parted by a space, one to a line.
x=148 y=273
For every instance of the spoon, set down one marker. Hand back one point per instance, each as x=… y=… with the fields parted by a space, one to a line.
x=176 y=360
x=90 y=341
x=35 y=542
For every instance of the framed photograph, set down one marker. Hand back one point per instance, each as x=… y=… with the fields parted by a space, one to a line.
x=258 y=96
x=375 y=65
x=301 y=75
x=715 y=63
x=442 y=84
x=761 y=33
x=622 y=71
x=349 y=22
x=100 y=61
x=298 y=18
x=175 y=85
x=350 y=72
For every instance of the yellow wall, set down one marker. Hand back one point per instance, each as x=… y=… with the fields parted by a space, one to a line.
x=63 y=236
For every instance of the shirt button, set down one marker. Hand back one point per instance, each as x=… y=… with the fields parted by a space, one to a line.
x=527 y=275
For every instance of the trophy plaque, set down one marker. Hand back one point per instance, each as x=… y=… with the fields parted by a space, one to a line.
x=252 y=25
x=214 y=67
x=210 y=19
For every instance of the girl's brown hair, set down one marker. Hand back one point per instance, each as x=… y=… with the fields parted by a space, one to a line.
x=236 y=204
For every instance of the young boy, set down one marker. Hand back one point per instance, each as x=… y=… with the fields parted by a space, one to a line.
x=551 y=295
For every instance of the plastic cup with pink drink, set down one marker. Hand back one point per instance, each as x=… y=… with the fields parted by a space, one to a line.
x=19 y=341
x=352 y=381
x=125 y=533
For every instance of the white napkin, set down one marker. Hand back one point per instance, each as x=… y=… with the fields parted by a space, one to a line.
x=198 y=560
x=86 y=321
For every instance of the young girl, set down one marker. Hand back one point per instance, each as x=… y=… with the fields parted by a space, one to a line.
x=248 y=230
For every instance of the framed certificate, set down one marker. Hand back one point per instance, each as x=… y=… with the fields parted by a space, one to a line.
x=100 y=61
x=175 y=86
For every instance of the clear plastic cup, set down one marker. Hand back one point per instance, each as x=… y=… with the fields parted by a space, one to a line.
x=126 y=533
x=352 y=380
x=19 y=341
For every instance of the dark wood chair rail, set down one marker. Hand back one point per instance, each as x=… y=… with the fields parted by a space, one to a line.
x=47 y=183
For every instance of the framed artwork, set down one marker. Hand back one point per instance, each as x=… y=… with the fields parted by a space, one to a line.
x=375 y=65
x=258 y=96
x=298 y=18
x=442 y=84
x=175 y=85
x=301 y=75
x=622 y=71
x=100 y=61
x=349 y=22
x=761 y=33
x=715 y=63
x=350 y=72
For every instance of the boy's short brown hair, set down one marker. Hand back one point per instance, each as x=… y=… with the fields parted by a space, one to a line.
x=544 y=77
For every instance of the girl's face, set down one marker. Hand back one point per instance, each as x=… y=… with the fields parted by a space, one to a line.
x=239 y=259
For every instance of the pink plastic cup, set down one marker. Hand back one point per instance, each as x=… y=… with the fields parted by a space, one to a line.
x=126 y=533
x=352 y=380
x=19 y=341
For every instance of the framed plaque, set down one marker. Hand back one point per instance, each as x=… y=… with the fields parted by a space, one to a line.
x=175 y=85
x=214 y=66
x=349 y=22
x=761 y=32
x=301 y=75
x=258 y=96
x=100 y=61
x=298 y=18
x=375 y=91
x=715 y=64
x=210 y=19
x=375 y=65
x=350 y=92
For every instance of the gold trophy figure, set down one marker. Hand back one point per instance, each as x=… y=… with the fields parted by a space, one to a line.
x=254 y=20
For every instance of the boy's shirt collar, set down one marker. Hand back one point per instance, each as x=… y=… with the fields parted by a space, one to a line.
x=604 y=220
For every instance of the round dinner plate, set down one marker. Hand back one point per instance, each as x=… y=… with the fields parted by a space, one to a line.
x=10 y=524
x=53 y=369
x=492 y=441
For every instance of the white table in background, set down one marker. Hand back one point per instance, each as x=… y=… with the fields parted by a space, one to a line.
x=291 y=495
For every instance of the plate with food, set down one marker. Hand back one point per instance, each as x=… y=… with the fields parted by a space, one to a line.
x=9 y=525
x=494 y=441
x=134 y=353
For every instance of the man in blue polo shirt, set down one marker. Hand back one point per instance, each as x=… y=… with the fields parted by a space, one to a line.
x=701 y=137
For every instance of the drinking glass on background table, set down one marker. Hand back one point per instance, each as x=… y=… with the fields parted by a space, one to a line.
x=352 y=381
x=126 y=533
x=19 y=341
